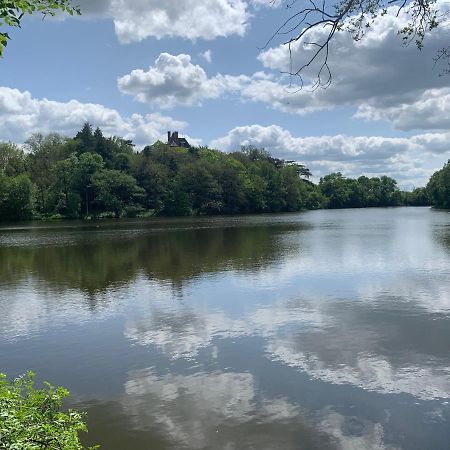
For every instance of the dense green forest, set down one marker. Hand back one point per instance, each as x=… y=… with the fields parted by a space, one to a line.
x=95 y=176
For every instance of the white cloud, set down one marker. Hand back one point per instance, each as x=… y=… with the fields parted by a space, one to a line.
x=173 y=80
x=136 y=20
x=377 y=74
x=411 y=160
x=384 y=80
x=207 y=55
x=21 y=115
x=430 y=110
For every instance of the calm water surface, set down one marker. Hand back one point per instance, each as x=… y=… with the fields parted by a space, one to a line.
x=320 y=330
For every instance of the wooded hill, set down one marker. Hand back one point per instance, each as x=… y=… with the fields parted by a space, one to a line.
x=95 y=176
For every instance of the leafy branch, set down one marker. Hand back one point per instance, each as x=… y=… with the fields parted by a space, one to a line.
x=13 y=11
x=315 y=25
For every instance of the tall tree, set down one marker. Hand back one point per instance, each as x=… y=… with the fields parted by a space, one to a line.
x=439 y=187
x=44 y=152
x=88 y=165
x=116 y=191
x=12 y=159
x=15 y=197
x=85 y=139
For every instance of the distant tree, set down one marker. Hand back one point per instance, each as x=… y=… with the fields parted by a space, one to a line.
x=417 y=197
x=86 y=140
x=200 y=183
x=67 y=202
x=336 y=189
x=231 y=179
x=88 y=164
x=342 y=192
x=91 y=175
x=15 y=198
x=101 y=146
x=115 y=191
x=12 y=12
x=12 y=159
x=254 y=153
x=294 y=189
x=439 y=187
x=154 y=178
x=122 y=161
x=43 y=153
x=256 y=189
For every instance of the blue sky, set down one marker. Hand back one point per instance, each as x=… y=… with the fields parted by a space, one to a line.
x=139 y=68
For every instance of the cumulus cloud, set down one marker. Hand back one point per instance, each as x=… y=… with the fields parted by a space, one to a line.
x=173 y=80
x=430 y=110
x=384 y=80
x=377 y=74
x=136 y=20
x=404 y=158
x=21 y=115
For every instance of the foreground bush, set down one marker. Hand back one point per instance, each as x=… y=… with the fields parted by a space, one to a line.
x=31 y=419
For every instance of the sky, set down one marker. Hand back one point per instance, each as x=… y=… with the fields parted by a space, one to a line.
x=138 y=68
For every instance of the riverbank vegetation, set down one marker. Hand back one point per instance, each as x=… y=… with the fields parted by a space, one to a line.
x=94 y=176
x=32 y=418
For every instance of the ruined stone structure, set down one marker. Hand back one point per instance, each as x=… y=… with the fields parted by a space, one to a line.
x=173 y=140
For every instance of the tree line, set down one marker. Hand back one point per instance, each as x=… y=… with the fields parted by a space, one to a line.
x=93 y=176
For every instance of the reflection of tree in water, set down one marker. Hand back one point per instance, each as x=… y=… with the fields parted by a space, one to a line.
x=174 y=256
x=442 y=236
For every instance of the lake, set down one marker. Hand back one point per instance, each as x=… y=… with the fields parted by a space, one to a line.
x=317 y=330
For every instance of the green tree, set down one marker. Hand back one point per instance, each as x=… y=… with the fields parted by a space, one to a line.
x=295 y=190
x=67 y=202
x=154 y=177
x=15 y=197
x=336 y=189
x=12 y=12
x=31 y=418
x=231 y=178
x=199 y=182
x=12 y=159
x=44 y=153
x=85 y=139
x=417 y=197
x=439 y=187
x=116 y=191
x=88 y=164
